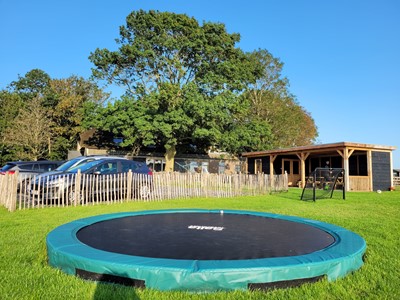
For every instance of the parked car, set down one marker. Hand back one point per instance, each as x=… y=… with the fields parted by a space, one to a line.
x=28 y=169
x=99 y=180
x=77 y=161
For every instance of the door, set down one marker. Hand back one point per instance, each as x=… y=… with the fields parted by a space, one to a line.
x=292 y=168
x=258 y=166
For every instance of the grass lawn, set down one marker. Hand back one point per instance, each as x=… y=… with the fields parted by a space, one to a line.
x=25 y=274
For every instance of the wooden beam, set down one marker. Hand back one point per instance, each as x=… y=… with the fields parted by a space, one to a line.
x=391 y=173
x=271 y=168
x=343 y=153
x=303 y=156
x=369 y=170
x=346 y=155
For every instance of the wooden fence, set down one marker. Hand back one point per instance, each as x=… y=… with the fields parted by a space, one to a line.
x=18 y=192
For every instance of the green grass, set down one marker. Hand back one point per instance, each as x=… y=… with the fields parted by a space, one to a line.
x=25 y=274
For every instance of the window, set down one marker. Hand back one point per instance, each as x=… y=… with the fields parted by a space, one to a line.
x=129 y=165
x=107 y=168
x=358 y=165
x=296 y=167
x=286 y=166
x=291 y=166
x=26 y=167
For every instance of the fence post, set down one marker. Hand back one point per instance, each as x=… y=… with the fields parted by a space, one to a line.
x=3 y=190
x=77 y=186
x=11 y=191
x=129 y=185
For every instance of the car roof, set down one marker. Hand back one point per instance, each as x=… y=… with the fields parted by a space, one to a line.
x=20 y=162
x=97 y=162
x=97 y=157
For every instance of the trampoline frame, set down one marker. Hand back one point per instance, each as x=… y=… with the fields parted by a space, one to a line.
x=73 y=257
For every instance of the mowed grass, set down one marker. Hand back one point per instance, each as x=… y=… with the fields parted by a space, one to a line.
x=25 y=274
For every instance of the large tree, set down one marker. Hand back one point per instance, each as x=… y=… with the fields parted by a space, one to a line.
x=67 y=100
x=10 y=104
x=182 y=81
x=33 y=84
x=271 y=101
x=30 y=131
x=63 y=103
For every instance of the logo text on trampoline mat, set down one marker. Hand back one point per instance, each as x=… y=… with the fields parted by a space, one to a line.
x=200 y=227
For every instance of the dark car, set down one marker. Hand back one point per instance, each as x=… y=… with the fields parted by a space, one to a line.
x=77 y=161
x=28 y=169
x=101 y=179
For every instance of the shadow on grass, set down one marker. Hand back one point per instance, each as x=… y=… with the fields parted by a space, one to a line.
x=112 y=287
x=105 y=291
x=295 y=194
x=292 y=194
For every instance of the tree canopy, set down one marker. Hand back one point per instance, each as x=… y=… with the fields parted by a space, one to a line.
x=30 y=131
x=42 y=117
x=271 y=101
x=189 y=87
x=183 y=81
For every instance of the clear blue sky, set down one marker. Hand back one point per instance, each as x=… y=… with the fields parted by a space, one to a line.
x=342 y=57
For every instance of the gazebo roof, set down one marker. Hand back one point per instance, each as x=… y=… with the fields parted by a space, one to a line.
x=321 y=148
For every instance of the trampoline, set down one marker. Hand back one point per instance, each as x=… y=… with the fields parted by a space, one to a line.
x=204 y=250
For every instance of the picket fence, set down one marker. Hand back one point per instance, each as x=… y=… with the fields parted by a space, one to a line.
x=16 y=191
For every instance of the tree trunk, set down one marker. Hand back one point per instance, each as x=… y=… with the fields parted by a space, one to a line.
x=169 y=159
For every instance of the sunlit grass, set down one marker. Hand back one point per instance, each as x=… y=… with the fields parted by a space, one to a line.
x=25 y=274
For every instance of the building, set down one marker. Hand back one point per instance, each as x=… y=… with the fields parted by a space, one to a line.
x=92 y=142
x=367 y=167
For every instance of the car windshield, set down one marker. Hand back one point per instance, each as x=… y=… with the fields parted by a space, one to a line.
x=65 y=166
x=85 y=167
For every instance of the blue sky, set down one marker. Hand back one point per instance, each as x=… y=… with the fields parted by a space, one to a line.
x=342 y=57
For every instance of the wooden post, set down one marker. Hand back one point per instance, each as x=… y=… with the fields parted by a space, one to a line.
x=303 y=156
x=271 y=169
x=391 y=168
x=345 y=154
x=346 y=169
x=77 y=193
x=369 y=171
x=129 y=185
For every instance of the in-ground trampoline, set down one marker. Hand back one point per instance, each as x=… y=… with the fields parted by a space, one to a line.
x=202 y=250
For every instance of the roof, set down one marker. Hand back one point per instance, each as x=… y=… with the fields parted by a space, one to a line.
x=321 y=148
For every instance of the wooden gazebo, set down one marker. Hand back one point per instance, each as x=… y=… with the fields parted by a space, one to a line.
x=367 y=167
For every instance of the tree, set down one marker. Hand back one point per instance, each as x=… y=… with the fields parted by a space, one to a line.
x=272 y=102
x=33 y=84
x=30 y=131
x=246 y=132
x=124 y=118
x=67 y=101
x=17 y=96
x=10 y=103
x=64 y=102
x=181 y=78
